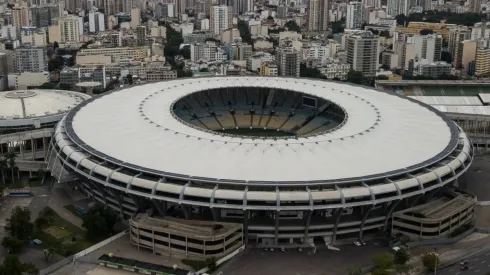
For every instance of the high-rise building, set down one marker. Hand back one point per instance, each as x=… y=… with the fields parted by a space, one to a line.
x=73 y=5
x=140 y=35
x=69 y=29
x=396 y=7
x=318 y=15
x=427 y=46
x=405 y=52
x=30 y=59
x=288 y=61
x=125 y=5
x=363 y=52
x=457 y=35
x=221 y=18
x=135 y=17
x=474 y=6
x=372 y=3
x=355 y=15
x=20 y=17
x=482 y=60
x=96 y=22
x=466 y=55
x=43 y=16
x=282 y=11
x=4 y=71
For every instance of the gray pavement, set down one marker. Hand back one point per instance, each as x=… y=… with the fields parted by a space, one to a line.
x=475 y=180
x=477 y=265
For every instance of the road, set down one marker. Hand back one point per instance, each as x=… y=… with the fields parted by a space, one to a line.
x=478 y=265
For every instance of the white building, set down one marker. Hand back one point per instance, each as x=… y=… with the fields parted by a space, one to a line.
x=96 y=22
x=315 y=50
x=9 y=32
x=396 y=7
x=355 y=15
x=26 y=80
x=255 y=61
x=135 y=17
x=221 y=18
x=335 y=70
x=69 y=27
x=427 y=46
x=207 y=52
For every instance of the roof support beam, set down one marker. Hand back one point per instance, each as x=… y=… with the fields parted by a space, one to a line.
x=373 y=197
x=398 y=190
x=437 y=175
x=363 y=222
x=182 y=191
x=154 y=189
x=421 y=186
x=390 y=212
x=107 y=180
x=342 y=197
x=310 y=197
x=337 y=214
x=130 y=181
x=245 y=198
x=278 y=199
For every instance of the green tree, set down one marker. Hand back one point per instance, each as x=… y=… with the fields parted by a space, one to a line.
x=47 y=85
x=99 y=221
x=13 y=244
x=354 y=271
x=338 y=26
x=65 y=86
x=355 y=77
x=211 y=264
x=401 y=256
x=19 y=224
x=12 y=266
x=310 y=72
x=292 y=26
x=383 y=260
x=380 y=271
x=245 y=34
x=430 y=261
x=10 y=157
x=3 y=166
x=56 y=63
x=404 y=269
x=48 y=252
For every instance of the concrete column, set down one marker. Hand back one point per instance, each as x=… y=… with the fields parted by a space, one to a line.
x=187 y=212
x=45 y=148
x=33 y=150
x=216 y=214
x=337 y=214
x=364 y=218
x=245 y=225
x=307 y=217
x=21 y=147
x=276 y=230
x=390 y=213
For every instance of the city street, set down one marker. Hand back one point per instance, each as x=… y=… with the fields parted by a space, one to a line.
x=478 y=265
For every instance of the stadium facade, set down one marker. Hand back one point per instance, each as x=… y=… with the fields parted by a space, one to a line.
x=27 y=119
x=290 y=159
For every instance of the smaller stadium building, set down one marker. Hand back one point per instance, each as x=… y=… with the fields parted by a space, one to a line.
x=27 y=119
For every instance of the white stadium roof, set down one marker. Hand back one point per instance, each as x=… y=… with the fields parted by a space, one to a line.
x=23 y=106
x=383 y=133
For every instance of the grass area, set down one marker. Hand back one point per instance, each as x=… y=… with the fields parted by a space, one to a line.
x=57 y=233
x=34 y=182
x=71 y=208
x=18 y=184
x=194 y=264
x=21 y=183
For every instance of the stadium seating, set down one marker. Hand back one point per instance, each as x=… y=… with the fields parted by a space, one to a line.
x=242 y=108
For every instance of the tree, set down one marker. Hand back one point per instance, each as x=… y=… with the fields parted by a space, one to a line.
x=245 y=34
x=385 y=34
x=99 y=221
x=401 y=19
x=404 y=269
x=48 y=252
x=292 y=26
x=204 y=70
x=13 y=244
x=430 y=261
x=56 y=63
x=47 y=85
x=355 y=77
x=211 y=264
x=338 y=26
x=354 y=271
x=401 y=256
x=10 y=158
x=3 y=167
x=65 y=86
x=19 y=224
x=130 y=79
x=12 y=266
x=383 y=260
x=380 y=271
x=310 y=72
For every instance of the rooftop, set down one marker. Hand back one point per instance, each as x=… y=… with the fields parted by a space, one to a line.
x=384 y=135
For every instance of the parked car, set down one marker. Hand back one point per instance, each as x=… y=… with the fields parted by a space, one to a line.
x=356 y=243
x=463 y=265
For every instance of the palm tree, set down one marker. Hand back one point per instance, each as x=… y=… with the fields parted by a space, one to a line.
x=10 y=158
x=3 y=166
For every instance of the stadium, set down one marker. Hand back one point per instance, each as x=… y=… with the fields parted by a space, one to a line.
x=290 y=160
x=27 y=119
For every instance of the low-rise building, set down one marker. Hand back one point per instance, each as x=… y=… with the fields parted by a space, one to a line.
x=335 y=71
x=268 y=68
x=28 y=80
x=429 y=69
